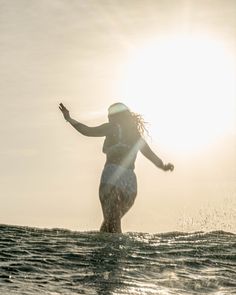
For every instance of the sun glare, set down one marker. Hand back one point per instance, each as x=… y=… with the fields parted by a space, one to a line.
x=185 y=87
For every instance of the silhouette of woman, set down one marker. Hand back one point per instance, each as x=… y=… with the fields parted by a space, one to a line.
x=123 y=139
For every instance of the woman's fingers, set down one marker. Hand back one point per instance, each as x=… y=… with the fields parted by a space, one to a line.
x=62 y=107
x=171 y=167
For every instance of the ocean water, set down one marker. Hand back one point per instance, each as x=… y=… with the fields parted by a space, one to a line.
x=57 y=261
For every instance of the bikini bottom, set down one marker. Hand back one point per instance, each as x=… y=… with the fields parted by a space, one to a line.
x=122 y=178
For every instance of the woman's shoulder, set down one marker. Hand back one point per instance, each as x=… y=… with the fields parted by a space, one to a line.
x=113 y=128
x=109 y=127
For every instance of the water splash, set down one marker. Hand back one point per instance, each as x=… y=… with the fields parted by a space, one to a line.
x=211 y=217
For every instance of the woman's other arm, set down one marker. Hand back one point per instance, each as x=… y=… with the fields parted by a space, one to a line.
x=151 y=156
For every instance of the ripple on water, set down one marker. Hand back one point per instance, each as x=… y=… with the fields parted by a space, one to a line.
x=35 y=261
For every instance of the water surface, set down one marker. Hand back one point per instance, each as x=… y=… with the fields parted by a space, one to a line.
x=43 y=261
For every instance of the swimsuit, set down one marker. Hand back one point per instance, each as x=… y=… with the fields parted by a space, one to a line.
x=121 y=175
x=117 y=147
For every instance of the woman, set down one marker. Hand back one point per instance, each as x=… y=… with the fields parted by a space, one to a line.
x=123 y=139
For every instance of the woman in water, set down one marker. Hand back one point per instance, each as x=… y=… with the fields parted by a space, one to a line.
x=123 y=139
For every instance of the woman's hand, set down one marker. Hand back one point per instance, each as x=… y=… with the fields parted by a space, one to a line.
x=168 y=167
x=65 y=112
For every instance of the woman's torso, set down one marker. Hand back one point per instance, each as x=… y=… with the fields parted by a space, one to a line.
x=121 y=146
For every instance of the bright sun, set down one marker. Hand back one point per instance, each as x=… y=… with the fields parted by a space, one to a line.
x=185 y=87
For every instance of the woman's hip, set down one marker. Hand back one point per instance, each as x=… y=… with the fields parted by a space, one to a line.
x=119 y=177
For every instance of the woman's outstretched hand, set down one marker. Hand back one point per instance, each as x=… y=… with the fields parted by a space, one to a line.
x=64 y=111
x=168 y=167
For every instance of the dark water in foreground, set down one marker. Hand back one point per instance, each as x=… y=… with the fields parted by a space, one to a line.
x=37 y=261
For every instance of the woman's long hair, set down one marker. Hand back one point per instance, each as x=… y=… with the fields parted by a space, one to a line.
x=120 y=113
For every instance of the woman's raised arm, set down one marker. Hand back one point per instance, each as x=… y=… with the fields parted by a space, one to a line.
x=97 y=131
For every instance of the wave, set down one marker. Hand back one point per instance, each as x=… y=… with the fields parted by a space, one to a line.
x=60 y=261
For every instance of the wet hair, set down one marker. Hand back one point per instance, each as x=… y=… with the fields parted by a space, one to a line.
x=120 y=112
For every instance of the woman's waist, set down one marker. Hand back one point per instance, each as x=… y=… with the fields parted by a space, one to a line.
x=122 y=164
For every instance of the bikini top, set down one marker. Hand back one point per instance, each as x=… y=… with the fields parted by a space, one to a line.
x=117 y=147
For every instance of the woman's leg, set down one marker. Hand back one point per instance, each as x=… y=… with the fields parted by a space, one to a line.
x=127 y=201
x=111 y=207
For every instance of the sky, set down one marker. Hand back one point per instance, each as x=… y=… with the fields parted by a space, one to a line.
x=174 y=61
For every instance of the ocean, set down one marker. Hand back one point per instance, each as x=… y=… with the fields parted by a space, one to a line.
x=58 y=261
